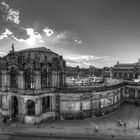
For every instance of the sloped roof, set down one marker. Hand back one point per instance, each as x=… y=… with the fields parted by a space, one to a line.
x=126 y=65
x=36 y=49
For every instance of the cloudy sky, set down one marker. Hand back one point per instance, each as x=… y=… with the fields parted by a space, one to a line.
x=85 y=32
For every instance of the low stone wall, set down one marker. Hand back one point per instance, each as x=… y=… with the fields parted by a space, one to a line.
x=39 y=118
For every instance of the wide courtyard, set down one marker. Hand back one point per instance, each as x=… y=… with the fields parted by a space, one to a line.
x=107 y=125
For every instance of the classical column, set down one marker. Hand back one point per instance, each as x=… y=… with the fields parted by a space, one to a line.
x=21 y=80
x=38 y=106
x=4 y=102
x=8 y=79
x=57 y=107
x=53 y=103
x=5 y=80
x=64 y=78
x=58 y=79
x=54 y=78
x=37 y=79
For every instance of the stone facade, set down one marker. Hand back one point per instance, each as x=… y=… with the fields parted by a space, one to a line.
x=29 y=80
x=126 y=71
x=33 y=88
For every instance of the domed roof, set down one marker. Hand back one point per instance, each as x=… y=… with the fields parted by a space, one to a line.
x=38 y=49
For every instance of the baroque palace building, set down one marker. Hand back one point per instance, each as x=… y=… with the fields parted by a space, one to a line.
x=28 y=82
x=126 y=71
x=33 y=88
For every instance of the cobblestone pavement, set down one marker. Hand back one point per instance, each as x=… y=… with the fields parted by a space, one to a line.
x=106 y=125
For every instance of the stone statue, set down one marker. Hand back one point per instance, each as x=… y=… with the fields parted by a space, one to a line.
x=13 y=49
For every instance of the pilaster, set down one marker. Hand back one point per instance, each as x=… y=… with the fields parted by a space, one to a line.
x=21 y=80
x=37 y=79
x=38 y=106
x=5 y=79
x=54 y=78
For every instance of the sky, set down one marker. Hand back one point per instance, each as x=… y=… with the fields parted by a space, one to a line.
x=84 y=32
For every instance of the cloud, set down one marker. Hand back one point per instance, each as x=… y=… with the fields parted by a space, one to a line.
x=78 y=41
x=10 y=28
x=9 y=14
x=80 y=58
x=47 y=37
x=2 y=53
x=5 y=34
x=88 y=60
x=49 y=32
x=10 y=19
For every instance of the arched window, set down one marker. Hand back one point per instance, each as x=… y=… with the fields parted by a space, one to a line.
x=136 y=75
x=29 y=79
x=44 y=78
x=115 y=74
x=120 y=75
x=130 y=75
x=138 y=93
x=125 y=75
x=14 y=75
x=30 y=107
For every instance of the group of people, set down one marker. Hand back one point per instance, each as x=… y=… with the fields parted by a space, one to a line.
x=121 y=123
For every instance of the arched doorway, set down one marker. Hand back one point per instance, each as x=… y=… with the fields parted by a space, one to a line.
x=14 y=107
x=136 y=75
x=30 y=105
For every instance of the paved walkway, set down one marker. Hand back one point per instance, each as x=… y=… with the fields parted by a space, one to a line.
x=107 y=125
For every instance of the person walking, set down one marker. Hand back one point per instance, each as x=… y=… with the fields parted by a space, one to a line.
x=96 y=128
x=124 y=124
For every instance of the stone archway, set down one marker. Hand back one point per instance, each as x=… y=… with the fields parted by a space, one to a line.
x=14 y=107
x=30 y=106
x=115 y=74
x=136 y=75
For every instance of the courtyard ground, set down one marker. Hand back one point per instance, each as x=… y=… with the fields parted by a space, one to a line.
x=107 y=125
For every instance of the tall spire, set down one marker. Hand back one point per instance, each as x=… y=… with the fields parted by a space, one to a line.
x=13 y=49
